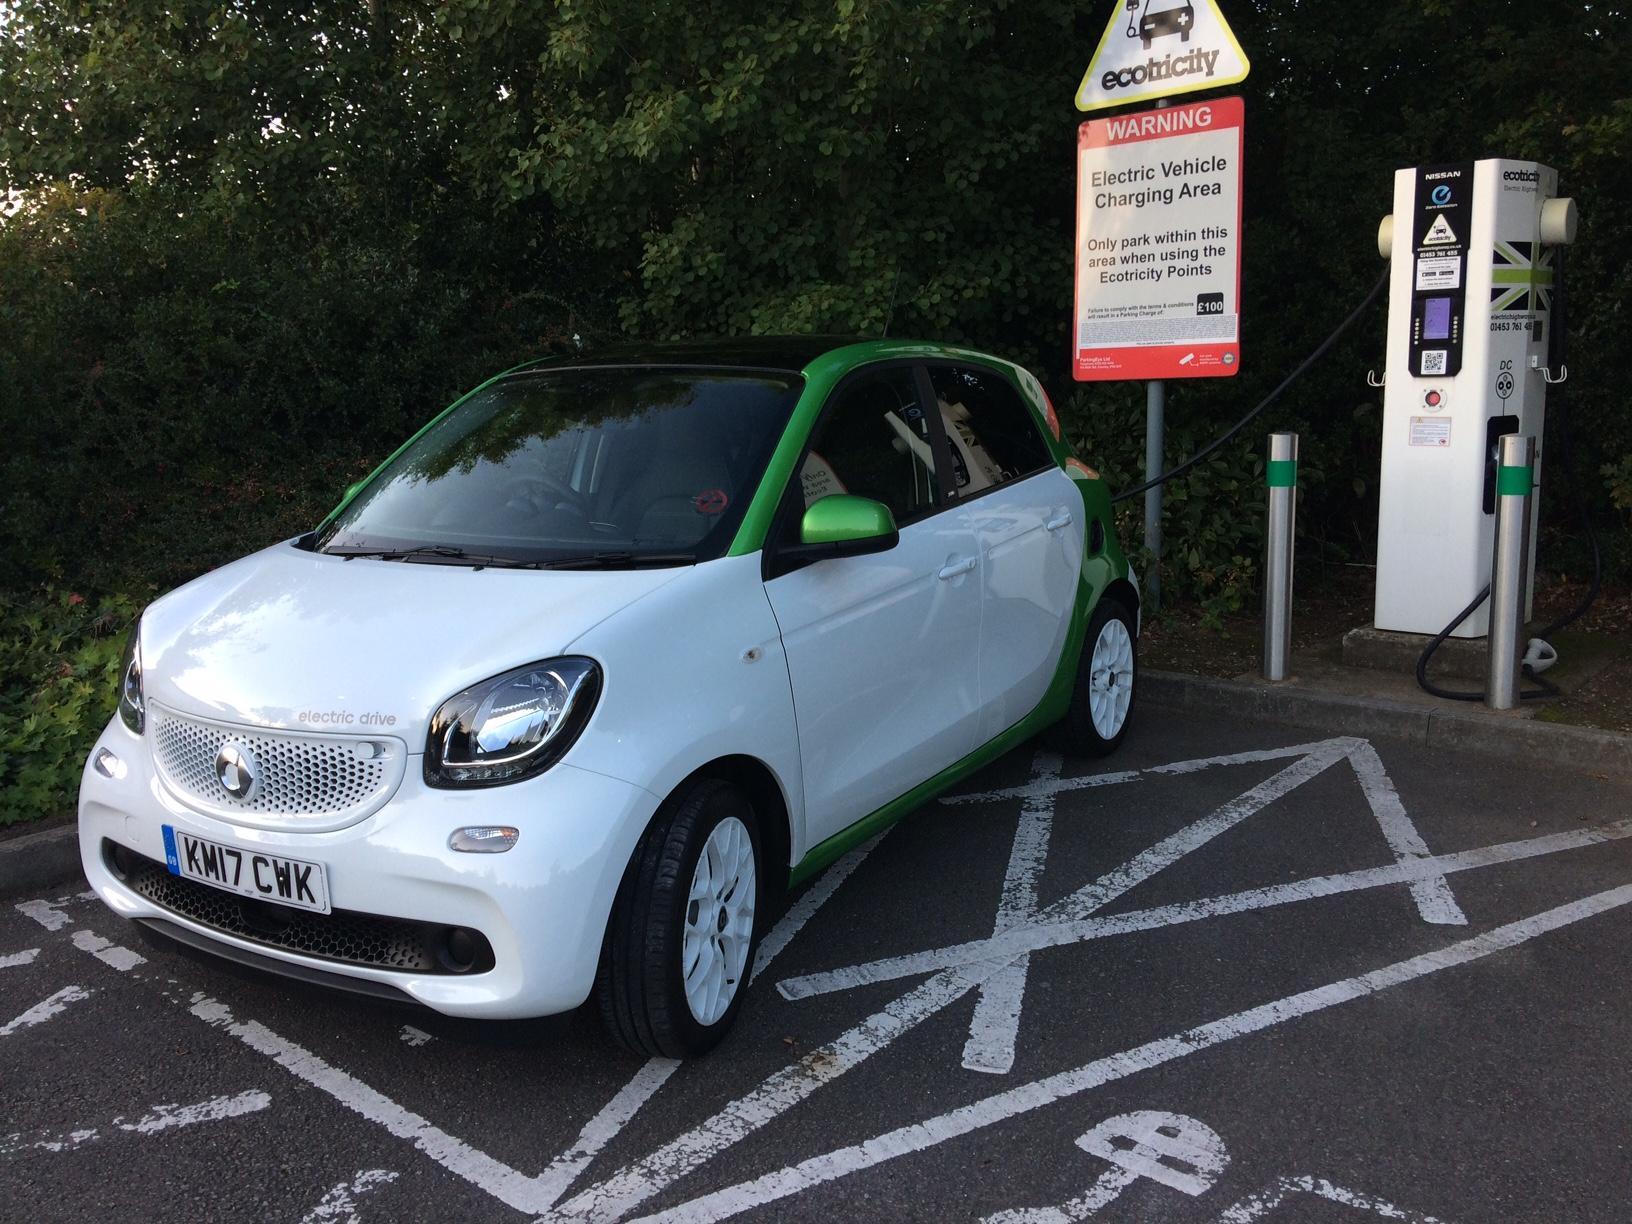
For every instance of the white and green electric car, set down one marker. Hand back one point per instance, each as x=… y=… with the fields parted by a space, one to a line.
x=560 y=700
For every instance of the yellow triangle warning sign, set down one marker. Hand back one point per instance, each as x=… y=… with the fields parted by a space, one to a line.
x=1157 y=48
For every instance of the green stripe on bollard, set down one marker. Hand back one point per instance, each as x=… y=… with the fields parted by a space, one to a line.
x=1283 y=473
x=1514 y=481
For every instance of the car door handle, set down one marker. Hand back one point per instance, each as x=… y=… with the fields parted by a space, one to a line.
x=1061 y=520
x=956 y=568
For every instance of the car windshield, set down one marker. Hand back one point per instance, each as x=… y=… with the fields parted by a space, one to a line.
x=605 y=466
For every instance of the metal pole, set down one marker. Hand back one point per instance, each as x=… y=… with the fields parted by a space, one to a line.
x=1515 y=478
x=1281 y=475
x=1155 y=428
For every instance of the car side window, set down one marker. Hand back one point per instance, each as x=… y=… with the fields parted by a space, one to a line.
x=993 y=437
x=874 y=441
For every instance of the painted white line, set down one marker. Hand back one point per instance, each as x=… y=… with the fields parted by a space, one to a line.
x=604 y=1126
x=44 y=913
x=159 y=1118
x=339 y=1204
x=802 y=910
x=1257 y=1206
x=995 y=1029
x=784 y=1089
x=106 y=951
x=25 y=957
x=1432 y=895
x=1102 y=1193
x=1080 y=904
x=414 y=1036
x=216 y=1109
x=1035 y=788
x=829 y=1166
x=498 y=1179
x=14 y=1143
x=45 y=1009
x=628 y=1188
x=600 y=1130
x=1052 y=934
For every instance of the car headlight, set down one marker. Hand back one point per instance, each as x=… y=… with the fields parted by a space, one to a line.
x=132 y=704
x=512 y=726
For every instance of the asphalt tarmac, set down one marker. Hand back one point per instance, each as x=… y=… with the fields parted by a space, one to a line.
x=1234 y=973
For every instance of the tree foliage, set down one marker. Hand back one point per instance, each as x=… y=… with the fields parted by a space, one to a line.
x=298 y=228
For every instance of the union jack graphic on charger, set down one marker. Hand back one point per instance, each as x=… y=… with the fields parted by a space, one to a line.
x=1518 y=283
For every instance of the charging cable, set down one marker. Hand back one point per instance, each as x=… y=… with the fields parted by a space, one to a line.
x=1263 y=403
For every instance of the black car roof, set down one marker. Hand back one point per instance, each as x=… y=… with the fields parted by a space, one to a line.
x=791 y=353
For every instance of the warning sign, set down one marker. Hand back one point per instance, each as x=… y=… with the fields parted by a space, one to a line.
x=1157 y=48
x=1439 y=233
x=1159 y=244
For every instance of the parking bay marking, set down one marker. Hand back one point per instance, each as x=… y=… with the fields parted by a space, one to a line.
x=45 y=1009
x=158 y=1118
x=1257 y=1206
x=509 y=1186
x=1052 y=934
x=528 y=1194
x=916 y=1137
x=782 y=1090
x=339 y=1204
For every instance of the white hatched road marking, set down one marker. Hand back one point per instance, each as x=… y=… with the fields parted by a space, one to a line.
x=339 y=1204
x=903 y=1141
x=106 y=951
x=1052 y=934
x=783 y=1089
x=45 y=1009
x=1257 y=1206
x=619 y=1194
x=528 y=1194
x=158 y=1118
x=25 y=957
x=45 y=913
x=995 y=1028
x=414 y=1036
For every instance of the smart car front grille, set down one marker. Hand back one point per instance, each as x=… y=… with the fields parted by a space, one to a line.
x=344 y=936
x=292 y=777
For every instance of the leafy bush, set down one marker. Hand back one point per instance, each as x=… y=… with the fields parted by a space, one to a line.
x=59 y=670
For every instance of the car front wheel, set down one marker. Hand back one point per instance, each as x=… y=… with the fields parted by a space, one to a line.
x=1102 y=699
x=680 y=945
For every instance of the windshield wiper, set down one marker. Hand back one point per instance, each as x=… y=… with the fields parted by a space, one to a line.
x=602 y=560
x=402 y=554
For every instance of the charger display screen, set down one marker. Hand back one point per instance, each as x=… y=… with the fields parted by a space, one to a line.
x=1436 y=318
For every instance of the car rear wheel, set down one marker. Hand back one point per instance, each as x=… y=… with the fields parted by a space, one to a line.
x=1102 y=700
x=679 y=948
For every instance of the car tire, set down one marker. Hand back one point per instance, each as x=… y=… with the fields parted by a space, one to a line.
x=680 y=945
x=1107 y=677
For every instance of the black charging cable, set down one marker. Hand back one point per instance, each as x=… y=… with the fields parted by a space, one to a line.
x=1555 y=358
x=1269 y=399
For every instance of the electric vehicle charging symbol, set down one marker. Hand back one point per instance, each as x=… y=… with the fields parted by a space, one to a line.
x=1441 y=195
x=1504 y=384
x=1177 y=1151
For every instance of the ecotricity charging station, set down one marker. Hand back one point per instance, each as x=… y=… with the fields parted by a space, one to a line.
x=1470 y=319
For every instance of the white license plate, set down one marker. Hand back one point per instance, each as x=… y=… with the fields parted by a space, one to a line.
x=249 y=873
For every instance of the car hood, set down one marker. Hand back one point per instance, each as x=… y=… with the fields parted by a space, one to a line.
x=298 y=640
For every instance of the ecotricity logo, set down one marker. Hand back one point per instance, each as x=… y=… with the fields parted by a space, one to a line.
x=1521 y=176
x=1164 y=69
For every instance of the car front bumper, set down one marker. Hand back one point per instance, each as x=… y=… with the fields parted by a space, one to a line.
x=542 y=905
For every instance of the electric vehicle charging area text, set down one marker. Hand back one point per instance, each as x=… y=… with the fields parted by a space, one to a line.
x=1241 y=972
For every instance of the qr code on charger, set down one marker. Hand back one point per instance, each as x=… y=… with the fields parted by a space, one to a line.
x=1433 y=361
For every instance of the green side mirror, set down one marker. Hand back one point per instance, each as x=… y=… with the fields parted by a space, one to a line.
x=843 y=525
